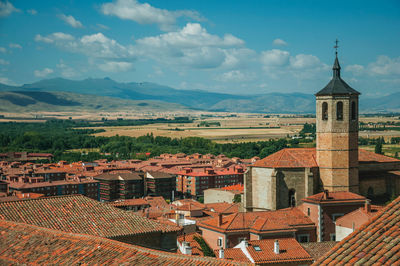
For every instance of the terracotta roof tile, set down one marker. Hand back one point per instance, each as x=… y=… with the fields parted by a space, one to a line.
x=263 y=221
x=32 y=245
x=378 y=240
x=262 y=251
x=335 y=197
x=306 y=157
x=79 y=214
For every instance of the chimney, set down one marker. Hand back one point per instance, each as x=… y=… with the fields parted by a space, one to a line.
x=187 y=249
x=276 y=247
x=221 y=253
x=367 y=206
x=326 y=194
x=219 y=219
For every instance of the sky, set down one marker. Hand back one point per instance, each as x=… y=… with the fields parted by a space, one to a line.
x=237 y=47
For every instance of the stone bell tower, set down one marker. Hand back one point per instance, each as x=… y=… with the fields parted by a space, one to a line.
x=337 y=133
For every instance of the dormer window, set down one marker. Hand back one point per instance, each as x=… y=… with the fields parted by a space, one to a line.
x=324 y=111
x=339 y=111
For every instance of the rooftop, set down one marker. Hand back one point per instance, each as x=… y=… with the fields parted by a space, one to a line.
x=376 y=242
x=79 y=214
x=306 y=158
x=262 y=251
x=32 y=245
x=335 y=197
x=263 y=221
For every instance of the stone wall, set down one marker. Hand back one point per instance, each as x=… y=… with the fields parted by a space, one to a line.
x=217 y=195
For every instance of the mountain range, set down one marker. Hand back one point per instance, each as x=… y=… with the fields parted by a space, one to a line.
x=60 y=94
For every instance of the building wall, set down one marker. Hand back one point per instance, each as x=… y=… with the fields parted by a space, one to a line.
x=378 y=184
x=328 y=222
x=261 y=194
x=217 y=195
x=156 y=240
x=211 y=237
x=342 y=232
x=337 y=144
x=298 y=179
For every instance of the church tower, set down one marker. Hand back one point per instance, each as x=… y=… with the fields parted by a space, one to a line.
x=337 y=133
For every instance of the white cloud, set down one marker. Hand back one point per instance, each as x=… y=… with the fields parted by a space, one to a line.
x=275 y=57
x=193 y=46
x=4 y=62
x=115 y=66
x=6 y=8
x=101 y=26
x=147 y=14
x=15 y=45
x=43 y=73
x=302 y=61
x=66 y=71
x=32 y=11
x=7 y=81
x=3 y=50
x=385 y=65
x=279 y=42
x=235 y=76
x=192 y=35
x=70 y=20
x=95 y=45
x=355 y=69
x=54 y=37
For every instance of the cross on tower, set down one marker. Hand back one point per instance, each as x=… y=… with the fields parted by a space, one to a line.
x=336 y=45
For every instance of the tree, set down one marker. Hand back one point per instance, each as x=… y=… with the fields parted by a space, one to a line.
x=237 y=198
x=378 y=148
x=207 y=251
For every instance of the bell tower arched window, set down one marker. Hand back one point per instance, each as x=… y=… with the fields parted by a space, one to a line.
x=339 y=111
x=353 y=111
x=324 y=111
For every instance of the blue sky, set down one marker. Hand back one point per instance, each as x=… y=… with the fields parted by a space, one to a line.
x=240 y=47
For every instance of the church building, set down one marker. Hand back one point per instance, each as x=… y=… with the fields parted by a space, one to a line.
x=286 y=177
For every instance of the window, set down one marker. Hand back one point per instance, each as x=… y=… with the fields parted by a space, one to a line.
x=353 y=111
x=292 y=198
x=308 y=211
x=324 y=111
x=333 y=237
x=303 y=238
x=257 y=248
x=219 y=242
x=339 y=111
x=370 y=193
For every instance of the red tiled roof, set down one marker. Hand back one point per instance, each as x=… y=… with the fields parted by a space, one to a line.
x=263 y=221
x=290 y=252
x=129 y=202
x=223 y=207
x=358 y=217
x=335 y=197
x=318 y=249
x=79 y=214
x=235 y=254
x=196 y=248
x=33 y=245
x=375 y=243
x=237 y=187
x=306 y=157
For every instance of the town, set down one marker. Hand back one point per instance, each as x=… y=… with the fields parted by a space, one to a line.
x=149 y=132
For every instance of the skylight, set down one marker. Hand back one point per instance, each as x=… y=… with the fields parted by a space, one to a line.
x=257 y=248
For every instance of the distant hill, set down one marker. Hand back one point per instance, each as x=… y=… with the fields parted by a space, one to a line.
x=27 y=101
x=196 y=99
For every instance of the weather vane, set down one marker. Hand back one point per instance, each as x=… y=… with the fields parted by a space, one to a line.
x=336 y=45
